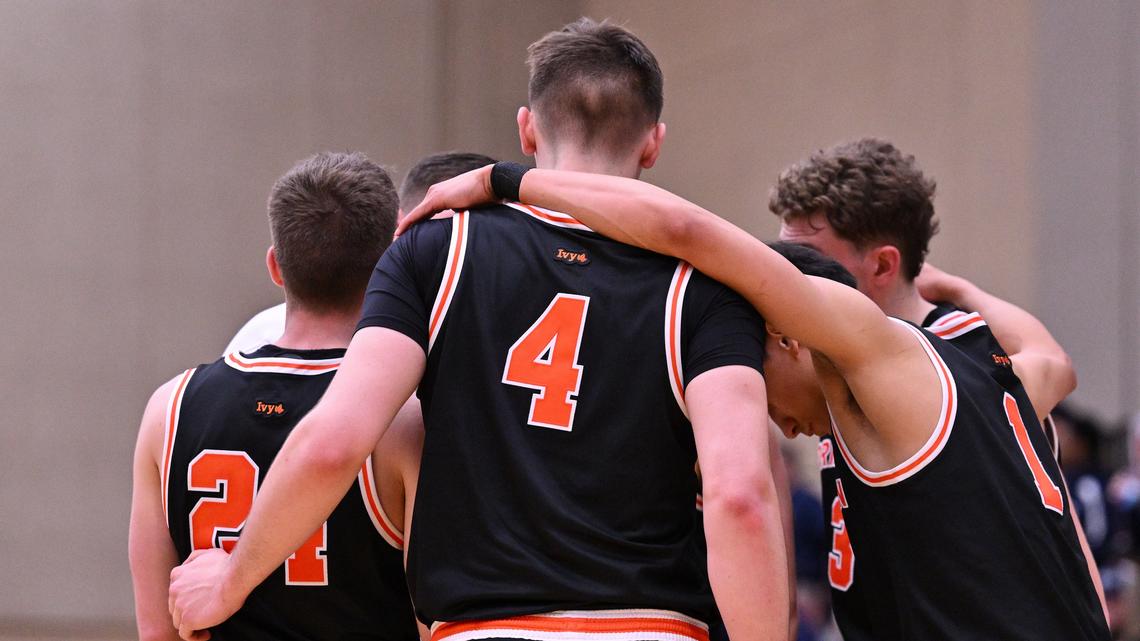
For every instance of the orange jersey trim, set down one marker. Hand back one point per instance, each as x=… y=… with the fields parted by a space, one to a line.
x=237 y=361
x=376 y=512
x=651 y=624
x=171 y=432
x=550 y=216
x=933 y=445
x=455 y=255
x=674 y=305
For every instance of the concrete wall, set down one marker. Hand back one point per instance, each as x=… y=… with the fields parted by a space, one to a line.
x=140 y=140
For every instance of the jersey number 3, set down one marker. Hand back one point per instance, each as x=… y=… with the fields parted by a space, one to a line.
x=217 y=522
x=545 y=359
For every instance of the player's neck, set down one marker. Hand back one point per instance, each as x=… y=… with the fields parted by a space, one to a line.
x=568 y=158
x=305 y=329
x=905 y=302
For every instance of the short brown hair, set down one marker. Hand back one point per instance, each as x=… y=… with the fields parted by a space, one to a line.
x=437 y=168
x=869 y=192
x=331 y=216
x=596 y=83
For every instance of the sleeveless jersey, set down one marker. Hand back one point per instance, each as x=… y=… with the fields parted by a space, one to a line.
x=558 y=461
x=225 y=424
x=971 y=538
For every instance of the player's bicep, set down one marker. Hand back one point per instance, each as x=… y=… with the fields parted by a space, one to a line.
x=151 y=551
x=380 y=370
x=728 y=408
x=1046 y=378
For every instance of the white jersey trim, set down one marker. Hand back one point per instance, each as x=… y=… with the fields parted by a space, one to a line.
x=955 y=324
x=453 y=269
x=370 y=494
x=549 y=216
x=282 y=364
x=674 y=305
x=939 y=436
x=170 y=434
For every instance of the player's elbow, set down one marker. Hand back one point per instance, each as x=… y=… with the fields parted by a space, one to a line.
x=331 y=447
x=748 y=502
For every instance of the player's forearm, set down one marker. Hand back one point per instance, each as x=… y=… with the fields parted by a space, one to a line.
x=306 y=481
x=637 y=213
x=1039 y=360
x=784 y=497
x=747 y=562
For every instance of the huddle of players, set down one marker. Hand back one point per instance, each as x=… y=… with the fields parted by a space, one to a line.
x=563 y=410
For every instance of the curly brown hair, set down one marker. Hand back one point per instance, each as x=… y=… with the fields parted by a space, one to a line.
x=869 y=191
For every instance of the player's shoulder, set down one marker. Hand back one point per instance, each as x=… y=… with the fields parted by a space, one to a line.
x=154 y=415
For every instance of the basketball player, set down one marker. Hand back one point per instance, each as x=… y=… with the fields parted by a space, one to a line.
x=208 y=436
x=949 y=509
x=559 y=373
x=268 y=324
x=869 y=207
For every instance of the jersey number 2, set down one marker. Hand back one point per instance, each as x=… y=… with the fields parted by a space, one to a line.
x=1051 y=496
x=545 y=359
x=217 y=522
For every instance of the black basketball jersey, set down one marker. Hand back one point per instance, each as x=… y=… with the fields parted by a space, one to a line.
x=970 y=538
x=225 y=424
x=557 y=471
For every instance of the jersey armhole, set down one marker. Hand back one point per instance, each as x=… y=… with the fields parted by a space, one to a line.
x=939 y=436
x=453 y=269
x=366 y=479
x=170 y=433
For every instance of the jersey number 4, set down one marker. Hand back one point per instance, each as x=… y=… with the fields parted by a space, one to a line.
x=545 y=359
x=217 y=521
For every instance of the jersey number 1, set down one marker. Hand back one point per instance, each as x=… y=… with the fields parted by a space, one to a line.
x=217 y=522
x=1051 y=496
x=545 y=359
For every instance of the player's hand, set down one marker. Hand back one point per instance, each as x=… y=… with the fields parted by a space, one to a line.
x=465 y=190
x=198 y=596
x=938 y=286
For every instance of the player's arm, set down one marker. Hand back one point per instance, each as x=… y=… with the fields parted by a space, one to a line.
x=311 y=474
x=151 y=551
x=746 y=553
x=784 y=496
x=637 y=213
x=1038 y=360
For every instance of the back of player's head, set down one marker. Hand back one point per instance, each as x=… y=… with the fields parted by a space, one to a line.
x=595 y=84
x=869 y=192
x=437 y=168
x=812 y=262
x=331 y=216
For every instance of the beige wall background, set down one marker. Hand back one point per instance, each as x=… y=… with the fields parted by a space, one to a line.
x=138 y=141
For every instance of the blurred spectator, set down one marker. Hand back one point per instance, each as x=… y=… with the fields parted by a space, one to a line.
x=1079 y=438
x=812 y=596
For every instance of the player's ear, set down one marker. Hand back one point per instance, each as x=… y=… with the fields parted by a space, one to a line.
x=791 y=345
x=525 y=120
x=887 y=262
x=652 y=148
x=274 y=267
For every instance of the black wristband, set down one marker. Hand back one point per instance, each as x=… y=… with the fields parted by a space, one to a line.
x=506 y=178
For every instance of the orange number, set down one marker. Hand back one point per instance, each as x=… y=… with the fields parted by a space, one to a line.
x=217 y=521
x=841 y=559
x=309 y=565
x=1051 y=496
x=545 y=358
